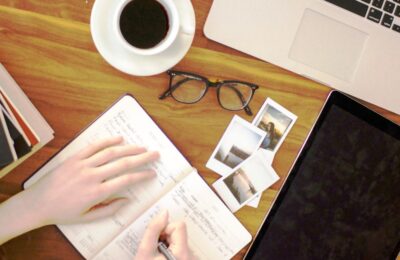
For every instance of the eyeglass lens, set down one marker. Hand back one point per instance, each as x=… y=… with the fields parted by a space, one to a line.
x=234 y=96
x=187 y=89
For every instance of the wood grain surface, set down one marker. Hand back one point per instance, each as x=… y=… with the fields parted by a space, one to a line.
x=47 y=47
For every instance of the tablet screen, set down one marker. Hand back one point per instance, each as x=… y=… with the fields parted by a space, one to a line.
x=342 y=197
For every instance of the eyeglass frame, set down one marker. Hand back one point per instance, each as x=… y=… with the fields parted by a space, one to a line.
x=209 y=84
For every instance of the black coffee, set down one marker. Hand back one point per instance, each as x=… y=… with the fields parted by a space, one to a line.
x=144 y=23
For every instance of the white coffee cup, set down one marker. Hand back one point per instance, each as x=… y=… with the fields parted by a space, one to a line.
x=174 y=27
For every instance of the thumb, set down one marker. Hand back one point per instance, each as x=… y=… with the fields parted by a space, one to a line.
x=150 y=238
x=104 y=210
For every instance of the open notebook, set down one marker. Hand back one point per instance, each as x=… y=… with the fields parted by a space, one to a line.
x=213 y=231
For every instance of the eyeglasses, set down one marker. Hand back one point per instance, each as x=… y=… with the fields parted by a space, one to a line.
x=189 y=88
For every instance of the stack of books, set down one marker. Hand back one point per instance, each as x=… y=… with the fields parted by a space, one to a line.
x=23 y=130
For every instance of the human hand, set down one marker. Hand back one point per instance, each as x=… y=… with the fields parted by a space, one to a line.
x=176 y=237
x=82 y=188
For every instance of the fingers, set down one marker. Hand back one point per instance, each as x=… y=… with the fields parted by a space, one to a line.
x=150 y=238
x=122 y=182
x=122 y=165
x=112 y=153
x=104 y=210
x=98 y=146
x=177 y=238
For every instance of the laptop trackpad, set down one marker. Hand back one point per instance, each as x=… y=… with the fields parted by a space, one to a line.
x=328 y=45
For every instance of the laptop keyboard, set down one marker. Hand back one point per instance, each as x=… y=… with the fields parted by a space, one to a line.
x=383 y=12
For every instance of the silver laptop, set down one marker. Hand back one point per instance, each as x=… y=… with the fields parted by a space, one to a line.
x=350 y=45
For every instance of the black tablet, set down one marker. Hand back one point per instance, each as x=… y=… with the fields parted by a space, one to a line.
x=341 y=199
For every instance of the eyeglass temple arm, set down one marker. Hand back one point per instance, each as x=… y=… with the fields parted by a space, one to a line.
x=172 y=88
x=248 y=110
x=246 y=107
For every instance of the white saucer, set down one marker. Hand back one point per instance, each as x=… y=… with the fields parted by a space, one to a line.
x=116 y=55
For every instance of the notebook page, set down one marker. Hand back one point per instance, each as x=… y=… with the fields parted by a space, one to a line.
x=213 y=231
x=126 y=118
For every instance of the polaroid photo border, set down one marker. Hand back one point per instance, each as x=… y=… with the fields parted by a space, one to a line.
x=274 y=116
x=239 y=141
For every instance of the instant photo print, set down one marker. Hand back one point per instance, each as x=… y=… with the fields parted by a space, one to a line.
x=268 y=157
x=246 y=181
x=240 y=140
x=276 y=121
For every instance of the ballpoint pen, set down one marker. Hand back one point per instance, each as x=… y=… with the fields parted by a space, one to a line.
x=165 y=251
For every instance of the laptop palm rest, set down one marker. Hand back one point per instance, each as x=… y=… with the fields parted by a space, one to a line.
x=328 y=45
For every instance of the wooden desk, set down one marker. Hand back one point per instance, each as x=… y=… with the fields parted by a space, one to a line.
x=47 y=47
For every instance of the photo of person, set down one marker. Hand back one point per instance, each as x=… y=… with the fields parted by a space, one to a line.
x=269 y=128
x=239 y=141
x=276 y=122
